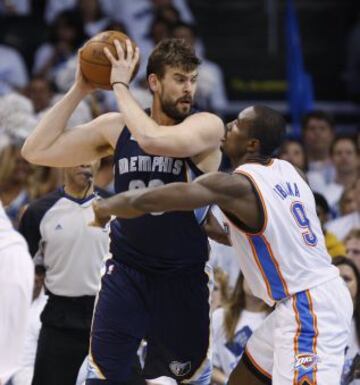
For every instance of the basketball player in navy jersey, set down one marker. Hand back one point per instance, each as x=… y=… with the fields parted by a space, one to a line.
x=155 y=285
x=270 y=212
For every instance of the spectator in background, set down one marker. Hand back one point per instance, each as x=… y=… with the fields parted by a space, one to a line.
x=158 y=30
x=348 y=203
x=13 y=72
x=232 y=326
x=343 y=225
x=293 y=151
x=14 y=192
x=350 y=274
x=169 y=14
x=57 y=230
x=92 y=16
x=105 y=175
x=318 y=134
x=222 y=254
x=25 y=374
x=210 y=93
x=15 y=7
x=40 y=91
x=333 y=245
x=66 y=36
x=16 y=284
x=344 y=155
x=220 y=292
x=43 y=180
x=352 y=245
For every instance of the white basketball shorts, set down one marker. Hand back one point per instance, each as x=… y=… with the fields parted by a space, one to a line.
x=302 y=342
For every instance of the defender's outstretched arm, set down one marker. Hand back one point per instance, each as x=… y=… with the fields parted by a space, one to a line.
x=171 y=197
x=213 y=188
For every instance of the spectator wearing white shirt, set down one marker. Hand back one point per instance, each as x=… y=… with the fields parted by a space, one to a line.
x=15 y=7
x=210 y=93
x=343 y=225
x=16 y=284
x=350 y=274
x=344 y=155
x=293 y=151
x=13 y=72
x=352 y=245
x=40 y=91
x=66 y=36
x=318 y=130
x=93 y=17
x=232 y=326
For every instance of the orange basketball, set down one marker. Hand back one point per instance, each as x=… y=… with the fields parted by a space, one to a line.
x=95 y=66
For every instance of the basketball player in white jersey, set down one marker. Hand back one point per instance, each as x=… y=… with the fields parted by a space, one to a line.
x=16 y=283
x=271 y=215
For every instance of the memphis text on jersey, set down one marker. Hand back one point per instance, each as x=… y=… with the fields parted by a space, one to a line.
x=144 y=163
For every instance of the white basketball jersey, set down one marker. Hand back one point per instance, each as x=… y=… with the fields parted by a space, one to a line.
x=288 y=255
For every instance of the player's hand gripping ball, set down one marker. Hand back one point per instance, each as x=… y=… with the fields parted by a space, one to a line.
x=95 y=65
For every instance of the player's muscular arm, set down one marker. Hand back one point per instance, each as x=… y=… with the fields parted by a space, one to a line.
x=215 y=231
x=51 y=144
x=213 y=188
x=54 y=146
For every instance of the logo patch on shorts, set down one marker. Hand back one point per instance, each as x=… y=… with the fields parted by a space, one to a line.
x=180 y=369
x=306 y=360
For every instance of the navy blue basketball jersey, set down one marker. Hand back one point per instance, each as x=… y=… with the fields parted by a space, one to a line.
x=157 y=242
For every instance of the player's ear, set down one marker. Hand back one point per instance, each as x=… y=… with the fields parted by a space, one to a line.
x=253 y=145
x=153 y=82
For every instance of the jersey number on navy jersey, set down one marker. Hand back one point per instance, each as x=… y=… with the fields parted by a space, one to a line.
x=139 y=183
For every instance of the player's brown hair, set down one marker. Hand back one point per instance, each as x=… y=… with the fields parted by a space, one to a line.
x=175 y=53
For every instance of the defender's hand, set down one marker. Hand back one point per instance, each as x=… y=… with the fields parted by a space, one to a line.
x=101 y=219
x=122 y=66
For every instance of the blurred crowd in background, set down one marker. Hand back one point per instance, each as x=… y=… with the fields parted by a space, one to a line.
x=328 y=157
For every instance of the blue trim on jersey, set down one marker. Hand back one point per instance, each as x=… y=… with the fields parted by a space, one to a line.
x=307 y=334
x=192 y=172
x=277 y=288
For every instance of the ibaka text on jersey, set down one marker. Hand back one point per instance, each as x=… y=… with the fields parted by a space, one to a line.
x=285 y=189
x=144 y=163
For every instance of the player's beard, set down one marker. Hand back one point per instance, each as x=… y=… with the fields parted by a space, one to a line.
x=175 y=110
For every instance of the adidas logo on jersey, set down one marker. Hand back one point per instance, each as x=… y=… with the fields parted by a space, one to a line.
x=58 y=227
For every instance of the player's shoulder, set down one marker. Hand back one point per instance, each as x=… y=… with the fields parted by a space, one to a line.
x=111 y=117
x=208 y=118
x=109 y=126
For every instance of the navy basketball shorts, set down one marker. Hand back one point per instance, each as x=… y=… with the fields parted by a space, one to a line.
x=170 y=311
